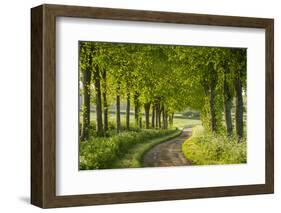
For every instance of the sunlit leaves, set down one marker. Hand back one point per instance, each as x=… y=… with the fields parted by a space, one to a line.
x=180 y=76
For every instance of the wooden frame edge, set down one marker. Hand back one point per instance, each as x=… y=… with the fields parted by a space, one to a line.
x=36 y=106
x=269 y=105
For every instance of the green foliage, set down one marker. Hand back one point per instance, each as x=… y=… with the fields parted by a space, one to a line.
x=101 y=152
x=179 y=75
x=171 y=77
x=208 y=149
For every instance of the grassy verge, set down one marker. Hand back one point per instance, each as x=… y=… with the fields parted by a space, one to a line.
x=133 y=159
x=103 y=152
x=206 y=149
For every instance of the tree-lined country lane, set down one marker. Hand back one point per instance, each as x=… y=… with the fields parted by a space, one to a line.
x=168 y=153
x=140 y=93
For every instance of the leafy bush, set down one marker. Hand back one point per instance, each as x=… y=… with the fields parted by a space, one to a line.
x=101 y=152
x=206 y=149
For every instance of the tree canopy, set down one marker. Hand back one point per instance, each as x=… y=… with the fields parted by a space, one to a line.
x=160 y=80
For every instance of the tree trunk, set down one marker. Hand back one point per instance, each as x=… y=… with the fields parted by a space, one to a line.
x=171 y=119
x=153 y=116
x=227 y=108
x=99 y=126
x=137 y=109
x=213 y=111
x=166 y=120
x=86 y=105
x=105 y=105
x=140 y=122
x=128 y=111
x=212 y=104
x=118 y=116
x=228 y=119
x=159 y=115
x=163 y=117
x=147 y=109
x=239 y=108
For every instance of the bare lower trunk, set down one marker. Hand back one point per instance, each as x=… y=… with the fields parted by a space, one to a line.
x=137 y=108
x=212 y=105
x=99 y=125
x=140 y=122
x=171 y=119
x=118 y=116
x=227 y=106
x=105 y=112
x=228 y=119
x=146 y=109
x=86 y=105
x=166 y=120
x=239 y=109
x=159 y=116
x=105 y=105
x=163 y=116
x=153 y=116
x=128 y=112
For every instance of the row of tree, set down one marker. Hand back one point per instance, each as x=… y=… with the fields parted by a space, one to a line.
x=160 y=80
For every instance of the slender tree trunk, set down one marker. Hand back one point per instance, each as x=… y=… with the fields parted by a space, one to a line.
x=213 y=111
x=159 y=115
x=212 y=104
x=239 y=108
x=228 y=119
x=227 y=108
x=137 y=109
x=163 y=117
x=206 y=88
x=153 y=116
x=99 y=125
x=140 y=121
x=147 y=109
x=171 y=119
x=128 y=111
x=118 y=116
x=105 y=105
x=86 y=105
x=166 y=120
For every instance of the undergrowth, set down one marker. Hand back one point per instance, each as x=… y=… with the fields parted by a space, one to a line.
x=102 y=152
x=204 y=148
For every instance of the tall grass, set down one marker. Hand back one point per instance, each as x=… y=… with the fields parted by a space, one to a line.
x=204 y=148
x=102 y=152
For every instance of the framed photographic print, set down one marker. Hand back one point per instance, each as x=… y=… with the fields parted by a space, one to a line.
x=136 y=106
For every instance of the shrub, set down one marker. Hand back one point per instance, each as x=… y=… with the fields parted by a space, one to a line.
x=206 y=149
x=101 y=152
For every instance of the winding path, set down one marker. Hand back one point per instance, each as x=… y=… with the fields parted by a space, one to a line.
x=168 y=153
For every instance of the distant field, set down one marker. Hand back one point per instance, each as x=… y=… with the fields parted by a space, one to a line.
x=179 y=120
x=186 y=122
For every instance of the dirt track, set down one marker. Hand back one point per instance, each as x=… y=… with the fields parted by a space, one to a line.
x=168 y=153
